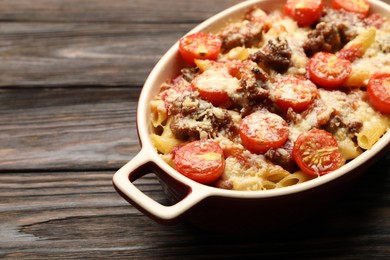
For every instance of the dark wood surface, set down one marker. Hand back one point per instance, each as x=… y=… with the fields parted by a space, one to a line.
x=71 y=73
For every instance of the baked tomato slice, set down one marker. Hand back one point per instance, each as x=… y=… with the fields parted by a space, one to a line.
x=356 y=6
x=317 y=153
x=293 y=92
x=214 y=85
x=204 y=46
x=352 y=53
x=328 y=70
x=378 y=91
x=304 y=12
x=200 y=160
x=263 y=130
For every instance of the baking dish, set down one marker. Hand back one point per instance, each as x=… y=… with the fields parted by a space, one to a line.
x=227 y=210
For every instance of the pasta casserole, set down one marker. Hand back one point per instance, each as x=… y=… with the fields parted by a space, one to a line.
x=276 y=99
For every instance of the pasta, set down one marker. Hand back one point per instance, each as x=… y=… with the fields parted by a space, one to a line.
x=293 y=179
x=371 y=132
x=258 y=91
x=166 y=141
x=159 y=113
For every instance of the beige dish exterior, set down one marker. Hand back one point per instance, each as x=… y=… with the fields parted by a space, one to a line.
x=225 y=210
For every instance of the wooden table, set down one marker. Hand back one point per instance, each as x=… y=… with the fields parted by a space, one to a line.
x=71 y=73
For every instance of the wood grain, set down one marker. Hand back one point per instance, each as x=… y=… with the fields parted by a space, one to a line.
x=91 y=42
x=77 y=128
x=71 y=54
x=71 y=74
x=76 y=214
x=113 y=11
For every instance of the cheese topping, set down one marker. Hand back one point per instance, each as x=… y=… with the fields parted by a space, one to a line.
x=246 y=70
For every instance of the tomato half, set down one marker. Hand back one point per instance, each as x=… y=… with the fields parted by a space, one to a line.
x=316 y=152
x=304 y=12
x=199 y=46
x=352 y=53
x=263 y=130
x=355 y=6
x=295 y=92
x=378 y=91
x=201 y=161
x=214 y=85
x=328 y=70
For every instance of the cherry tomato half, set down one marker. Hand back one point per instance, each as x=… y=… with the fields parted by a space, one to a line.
x=263 y=130
x=352 y=53
x=355 y=6
x=199 y=46
x=295 y=92
x=213 y=86
x=304 y=12
x=328 y=70
x=316 y=152
x=201 y=161
x=378 y=91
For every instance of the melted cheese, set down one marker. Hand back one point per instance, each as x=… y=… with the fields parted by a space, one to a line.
x=248 y=171
x=218 y=80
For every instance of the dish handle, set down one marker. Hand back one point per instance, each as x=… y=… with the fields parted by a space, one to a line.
x=141 y=165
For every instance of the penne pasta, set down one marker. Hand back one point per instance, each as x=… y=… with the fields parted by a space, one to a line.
x=371 y=132
x=166 y=141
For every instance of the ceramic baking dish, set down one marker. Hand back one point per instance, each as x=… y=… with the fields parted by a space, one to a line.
x=226 y=210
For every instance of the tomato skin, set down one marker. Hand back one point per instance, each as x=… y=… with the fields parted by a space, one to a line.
x=201 y=161
x=213 y=84
x=328 y=70
x=199 y=45
x=263 y=130
x=304 y=12
x=378 y=91
x=295 y=92
x=316 y=152
x=217 y=98
x=356 y=6
x=352 y=53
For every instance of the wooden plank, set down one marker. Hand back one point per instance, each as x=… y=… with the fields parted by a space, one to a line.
x=117 y=11
x=38 y=54
x=91 y=42
x=71 y=76
x=76 y=128
x=49 y=215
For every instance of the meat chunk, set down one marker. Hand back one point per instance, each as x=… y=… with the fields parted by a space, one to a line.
x=189 y=73
x=335 y=29
x=283 y=156
x=276 y=54
x=244 y=33
x=255 y=88
x=325 y=37
x=349 y=23
x=184 y=105
x=183 y=130
x=199 y=119
x=336 y=122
